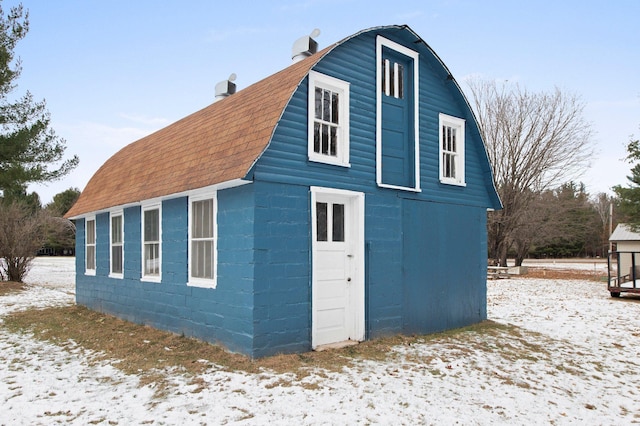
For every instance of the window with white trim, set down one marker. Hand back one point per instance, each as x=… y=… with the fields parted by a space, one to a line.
x=202 y=240
x=452 y=143
x=90 y=246
x=151 y=242
x=117 y=245
x=328 y=120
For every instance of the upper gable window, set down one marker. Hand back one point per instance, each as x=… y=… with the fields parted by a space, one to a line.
x=328 y=120
x=392 y=78
x=151 y=243
x=452 y=150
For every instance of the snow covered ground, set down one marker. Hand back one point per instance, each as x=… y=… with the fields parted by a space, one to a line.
x=583 y=367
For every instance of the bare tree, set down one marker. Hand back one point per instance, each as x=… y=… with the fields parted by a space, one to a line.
x=22 y=233
x=535 y=142
x=604 y=204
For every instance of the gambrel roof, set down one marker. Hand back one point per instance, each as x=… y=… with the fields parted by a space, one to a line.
x=217 y=144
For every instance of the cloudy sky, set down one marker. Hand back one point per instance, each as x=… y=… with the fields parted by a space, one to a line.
x=113 y=72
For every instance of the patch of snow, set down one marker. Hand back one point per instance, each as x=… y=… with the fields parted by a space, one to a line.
x=584 y=371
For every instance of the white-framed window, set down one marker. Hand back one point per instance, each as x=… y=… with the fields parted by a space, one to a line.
x=452 y=143
x=328 y=120
x=202 y=240
x=116 y=237
x=90 y=246
x=152 y=242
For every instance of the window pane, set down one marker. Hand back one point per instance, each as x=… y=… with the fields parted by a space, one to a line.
x=91 y=257
x=116 y=259
x=453 y=165
x=318 y=103
x=444 y=137
x=321 y=221
x=334 y=108
x=202 y=259
x=316 y=137
x=202 y=219
x=453 y=139
x=91 y=232
x=392 y=80
x=338 y=222
x=326 y=105
x=116 y=229
x=325 y=139
x=152 y=225
x=333 y=146
x=151 y=259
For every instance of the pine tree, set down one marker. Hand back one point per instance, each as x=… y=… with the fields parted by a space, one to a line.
x=30 y=151
x=629 y=196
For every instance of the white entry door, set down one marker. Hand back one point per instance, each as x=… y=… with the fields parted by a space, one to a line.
x=338 y=266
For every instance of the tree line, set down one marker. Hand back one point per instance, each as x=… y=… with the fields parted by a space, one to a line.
x=538 y=144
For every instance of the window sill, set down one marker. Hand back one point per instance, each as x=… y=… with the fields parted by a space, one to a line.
x=329 y=161
x=452 y=182
x=151 y=279
x=117 y=276
x=201 y=283
x=400 y=188
x=91 y=273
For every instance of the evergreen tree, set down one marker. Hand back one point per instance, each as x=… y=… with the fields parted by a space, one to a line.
x=30 y=151
x=629 y=196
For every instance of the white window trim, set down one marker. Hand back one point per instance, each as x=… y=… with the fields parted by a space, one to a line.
x=195 y=281
x=145 y=207
x=459 y=123
x=87 y=219
x=113 y=214
x=317 y=79
x=380 y=43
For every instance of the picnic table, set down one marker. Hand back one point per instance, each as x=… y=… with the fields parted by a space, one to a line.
x=495 y=272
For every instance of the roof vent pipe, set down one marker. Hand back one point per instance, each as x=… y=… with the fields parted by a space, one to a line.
x=226 y=87
x=305 y=46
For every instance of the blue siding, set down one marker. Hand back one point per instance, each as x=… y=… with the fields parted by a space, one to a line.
x=282 y=286
x=132 y=243
x=383 y=234
x=446 y=273
x=223 y=315
x=80 y=249
x=399 y=225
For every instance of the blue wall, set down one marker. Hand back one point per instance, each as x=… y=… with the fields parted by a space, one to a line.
x=426 y=251
x=283 y=270
x=224 y=314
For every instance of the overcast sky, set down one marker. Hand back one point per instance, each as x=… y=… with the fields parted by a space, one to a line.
x=114 y=71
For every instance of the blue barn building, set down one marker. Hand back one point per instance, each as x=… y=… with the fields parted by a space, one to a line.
x=340 y=199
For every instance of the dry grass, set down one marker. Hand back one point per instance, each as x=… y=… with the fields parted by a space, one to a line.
x=145 y=350
x=564 y=274
x=7 y=287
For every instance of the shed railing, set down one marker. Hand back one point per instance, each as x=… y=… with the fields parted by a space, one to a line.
x=623 y=272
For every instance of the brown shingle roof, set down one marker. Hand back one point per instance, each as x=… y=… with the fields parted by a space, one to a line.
x=216 y=144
